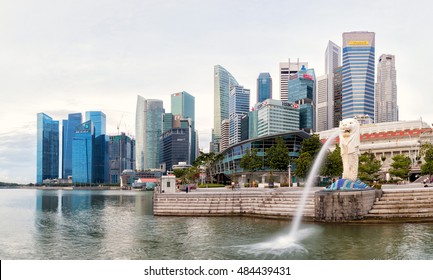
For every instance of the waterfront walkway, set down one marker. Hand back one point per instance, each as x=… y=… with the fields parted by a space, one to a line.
x=407 y=203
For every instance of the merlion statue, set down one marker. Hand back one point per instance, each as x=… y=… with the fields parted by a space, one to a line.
x=349 y=144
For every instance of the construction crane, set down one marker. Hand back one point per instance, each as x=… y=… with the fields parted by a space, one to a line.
x=118 y=125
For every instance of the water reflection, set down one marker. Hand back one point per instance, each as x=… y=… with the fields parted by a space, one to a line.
x=47 y=201
x=120 y=225
x=84 y=223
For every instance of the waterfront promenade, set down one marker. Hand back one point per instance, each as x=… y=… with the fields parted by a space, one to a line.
x=409 y=202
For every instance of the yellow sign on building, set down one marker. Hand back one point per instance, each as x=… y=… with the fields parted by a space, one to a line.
x=358 y=43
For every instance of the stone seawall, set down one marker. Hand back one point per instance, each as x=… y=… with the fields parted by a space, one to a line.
x=342 y=206
x=269 y=204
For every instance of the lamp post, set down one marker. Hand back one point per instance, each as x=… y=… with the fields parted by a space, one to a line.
x=290 y=174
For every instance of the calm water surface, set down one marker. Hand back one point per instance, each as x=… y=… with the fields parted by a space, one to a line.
x=51 y=224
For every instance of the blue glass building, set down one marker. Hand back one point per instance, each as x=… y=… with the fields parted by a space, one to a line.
x=358 y=74
x=302 y=91
x=100 y=148
x=47 y=148
x=99 y=121
x=183 y=104
x=68 y=131
x=239 y=104
x=82 y=153
x=264 y=87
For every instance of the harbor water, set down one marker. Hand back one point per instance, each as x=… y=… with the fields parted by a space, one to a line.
x=107 y=225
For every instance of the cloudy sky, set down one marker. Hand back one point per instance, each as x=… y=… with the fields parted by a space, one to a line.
x=67 y=56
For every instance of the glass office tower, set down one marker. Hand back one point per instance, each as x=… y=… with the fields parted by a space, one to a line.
x=183 y=104
x=264 y=87
x=302 y=91
x=148 y=128
x=99 y=121
x=223 y=81
x=47 y=148
x=239 y=105
x=68 y=131
x=100 y=148
x=358 y=74
x=121 y=157
x=82 y=154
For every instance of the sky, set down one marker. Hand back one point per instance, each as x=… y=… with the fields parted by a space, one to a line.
x=61 y=57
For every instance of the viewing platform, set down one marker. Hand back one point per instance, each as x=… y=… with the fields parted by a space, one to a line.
x=267 y=203
x=397 y=203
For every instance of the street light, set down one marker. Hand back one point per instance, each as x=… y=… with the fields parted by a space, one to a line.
x=290 y=174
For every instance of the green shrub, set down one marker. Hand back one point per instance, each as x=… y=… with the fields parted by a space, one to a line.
x=211 y=185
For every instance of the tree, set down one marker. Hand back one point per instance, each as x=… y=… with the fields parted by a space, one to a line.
x=400 y=166
x=207 y=161
x=277 y=156
x=251 y=162
x=192 y=174
x=311 y=145
x=368 y=168
x=427 y=167
x=303 y=164
x=333 y=165
x=179 y=173
x=309 y=149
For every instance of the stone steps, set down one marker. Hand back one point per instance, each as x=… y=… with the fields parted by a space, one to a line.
x=404 y=204
x=273 y=203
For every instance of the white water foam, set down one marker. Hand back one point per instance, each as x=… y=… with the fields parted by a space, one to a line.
x=282 y=243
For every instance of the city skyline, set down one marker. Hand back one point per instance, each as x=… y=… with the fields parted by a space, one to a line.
x=89 y=56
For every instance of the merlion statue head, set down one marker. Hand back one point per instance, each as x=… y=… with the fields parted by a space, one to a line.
x=349 y=132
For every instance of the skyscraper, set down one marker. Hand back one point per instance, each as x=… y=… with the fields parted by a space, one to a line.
x=386 y=109
x=47 y=148
x=120 y=156
x=183 y=104
x=358 y=74
x=68 y=131
x=302 y=91
x=276 y=116
x=332 y=62
x=332 y=58
x=286 y=69
x=338 y=96
x=264 y=87
x=223 y=81
x=322 y=103
x=99 y=121
x=239 y=106
x=225 y=135
x=82 y=153
x=167 y=122
x=175 y=147
x=148 y=128
x=100 y=149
